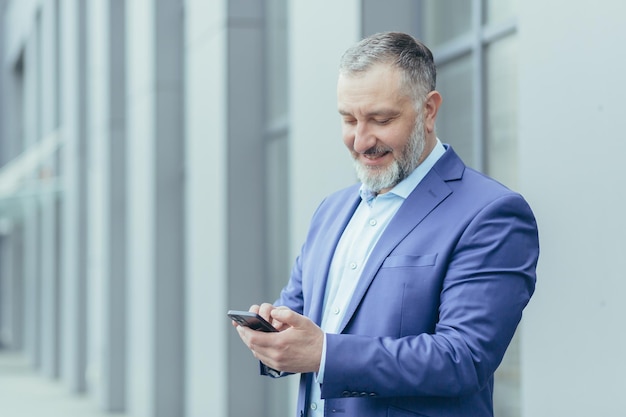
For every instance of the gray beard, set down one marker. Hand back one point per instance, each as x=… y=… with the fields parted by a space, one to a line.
x=377 y=179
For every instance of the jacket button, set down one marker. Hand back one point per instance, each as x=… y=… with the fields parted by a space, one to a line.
x=345 y=394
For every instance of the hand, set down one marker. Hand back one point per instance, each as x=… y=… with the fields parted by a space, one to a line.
x=296 y=348
x=265 y=311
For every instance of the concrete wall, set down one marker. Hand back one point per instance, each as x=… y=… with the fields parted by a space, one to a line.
x=572 y=125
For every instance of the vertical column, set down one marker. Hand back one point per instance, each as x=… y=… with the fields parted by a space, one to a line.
x=115 y=373
x=5 y=301
x=107 y=203
x=50 y=306
x=5 y=286
x=74 y=213
x=17 y=287
x=155 y=208
x=12 y=289
x=31 y=129
x=245 y=197
x=206 y=187
x=12 y=138
x=5 y=148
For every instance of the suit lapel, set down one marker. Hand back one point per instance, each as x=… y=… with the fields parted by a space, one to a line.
x=428 y=194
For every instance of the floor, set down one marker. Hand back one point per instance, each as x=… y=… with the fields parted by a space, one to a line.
x=26 y=393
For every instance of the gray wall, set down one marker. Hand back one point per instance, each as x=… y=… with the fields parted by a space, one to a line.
x=572 y=171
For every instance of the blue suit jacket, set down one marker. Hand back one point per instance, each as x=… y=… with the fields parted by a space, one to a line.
x=437 y=303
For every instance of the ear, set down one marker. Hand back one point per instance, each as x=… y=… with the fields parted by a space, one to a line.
x=431 y=107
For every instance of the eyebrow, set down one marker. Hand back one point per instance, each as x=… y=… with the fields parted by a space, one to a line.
x=385 y=113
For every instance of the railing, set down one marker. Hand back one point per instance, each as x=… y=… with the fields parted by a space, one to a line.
x=30 y=175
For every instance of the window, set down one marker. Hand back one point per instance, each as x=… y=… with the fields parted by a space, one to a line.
x=475 y=55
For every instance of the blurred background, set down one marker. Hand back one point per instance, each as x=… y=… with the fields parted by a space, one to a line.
x=160 y=161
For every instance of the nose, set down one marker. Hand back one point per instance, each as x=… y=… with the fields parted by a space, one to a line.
x=364 y=139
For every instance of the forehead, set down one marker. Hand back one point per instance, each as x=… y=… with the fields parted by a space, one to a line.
x=379 y=86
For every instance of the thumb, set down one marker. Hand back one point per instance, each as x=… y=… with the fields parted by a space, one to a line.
x=287 y=316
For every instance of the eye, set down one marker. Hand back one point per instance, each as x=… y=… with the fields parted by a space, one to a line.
x=349 y=121
x=382 y=121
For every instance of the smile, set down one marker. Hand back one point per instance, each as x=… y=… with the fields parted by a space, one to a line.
x=375 y=155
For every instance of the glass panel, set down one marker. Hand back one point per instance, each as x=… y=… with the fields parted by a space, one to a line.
x=276 y=47
x=444 y=20
x=502 y=95
x=499 y=10
x=455 y=124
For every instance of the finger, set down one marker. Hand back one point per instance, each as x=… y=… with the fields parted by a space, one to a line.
x=254 y=308
x=288 y=317
x=265 y=311
x=241 y=331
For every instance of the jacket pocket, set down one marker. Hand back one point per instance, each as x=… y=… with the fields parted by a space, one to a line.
x=407 y=261
x=397 y=412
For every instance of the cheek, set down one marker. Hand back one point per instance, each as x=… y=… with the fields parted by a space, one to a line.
x=397 y=139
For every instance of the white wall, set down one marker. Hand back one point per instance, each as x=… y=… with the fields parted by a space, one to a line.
x=320 y=163
x=572 y=149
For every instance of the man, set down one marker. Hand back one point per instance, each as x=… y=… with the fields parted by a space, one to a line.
x=410 y=285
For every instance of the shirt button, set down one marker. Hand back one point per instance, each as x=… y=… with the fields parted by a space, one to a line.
x=373 y=222
x=352 y=265
x=336 y=310
x=313 y=406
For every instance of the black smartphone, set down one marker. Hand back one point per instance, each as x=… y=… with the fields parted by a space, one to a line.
x=251 y=320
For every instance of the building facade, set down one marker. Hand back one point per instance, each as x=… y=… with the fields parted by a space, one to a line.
x=160 y=161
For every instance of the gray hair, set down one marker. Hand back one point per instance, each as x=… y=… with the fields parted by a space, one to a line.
x=400 y=50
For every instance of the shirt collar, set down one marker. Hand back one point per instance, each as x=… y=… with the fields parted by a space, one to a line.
x=407 y=185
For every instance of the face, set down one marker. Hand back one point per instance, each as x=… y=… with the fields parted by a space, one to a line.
x=381 y=127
